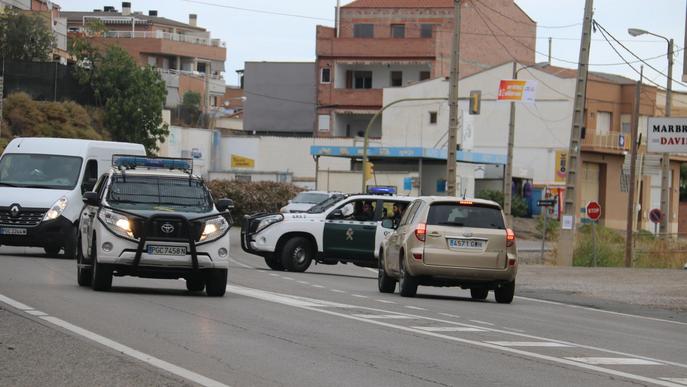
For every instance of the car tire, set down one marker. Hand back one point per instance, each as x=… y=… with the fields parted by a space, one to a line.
x=52 y=251
x=504 y=293
x=479 y=293
x=71 y=244
x=216 y=282
x=385 y=283
x=274 y=262
x=407 y=284
x=84 y=275
x=102 y=273
x=297 y=254
x=195 y=284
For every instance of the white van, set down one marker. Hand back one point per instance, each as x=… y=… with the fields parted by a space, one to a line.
x=42 y=181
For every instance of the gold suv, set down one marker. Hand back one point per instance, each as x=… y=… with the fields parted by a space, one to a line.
x=447 y=241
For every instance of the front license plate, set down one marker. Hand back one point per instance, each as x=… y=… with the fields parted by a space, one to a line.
x=12 y=231
x=470 y=244
x=166 y=250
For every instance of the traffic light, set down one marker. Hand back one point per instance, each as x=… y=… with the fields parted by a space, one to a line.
x=475 y=102
x=369 y=171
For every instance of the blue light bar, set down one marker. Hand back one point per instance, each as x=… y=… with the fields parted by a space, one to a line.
x=381 y=190
x=132 y=162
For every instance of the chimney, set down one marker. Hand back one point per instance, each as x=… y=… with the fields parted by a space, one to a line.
x=193 y=19
x=126 y=8
x=108 y=8
x=152 y=12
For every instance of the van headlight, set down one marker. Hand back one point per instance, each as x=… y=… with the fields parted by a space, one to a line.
x=117 y=223
x=57 y=209
x=268 y=221
x=214 y=229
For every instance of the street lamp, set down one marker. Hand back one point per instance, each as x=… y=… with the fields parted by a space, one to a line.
x=665 y=160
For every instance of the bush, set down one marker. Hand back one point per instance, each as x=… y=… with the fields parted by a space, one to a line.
x=518 y=204
x=610 y=250
x=552 y=227
x=253 y=197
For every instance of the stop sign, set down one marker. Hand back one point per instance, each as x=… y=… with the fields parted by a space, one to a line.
x=594 y=210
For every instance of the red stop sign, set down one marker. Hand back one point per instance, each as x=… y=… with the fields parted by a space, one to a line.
x=593 y=210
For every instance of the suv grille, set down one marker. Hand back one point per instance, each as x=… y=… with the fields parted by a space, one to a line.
x=28 y=217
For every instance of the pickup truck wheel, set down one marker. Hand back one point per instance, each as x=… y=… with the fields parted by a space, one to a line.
x=297 y=254
x=52 y=251
x=216 y=282
x=274 y=262
x=195 y=283
x=479 y=293
x=84 y=275
x=407 y=284
x=504 y=294
x=385 y=283
x=102 y=274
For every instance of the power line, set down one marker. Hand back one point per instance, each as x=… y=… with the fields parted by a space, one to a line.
x=256 y=10
x=526 y=23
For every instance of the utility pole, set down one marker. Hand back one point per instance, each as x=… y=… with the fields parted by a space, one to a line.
x=508 y=175
x=566 y=240
x=453 y=105
x=631 y=206
x=665 y=159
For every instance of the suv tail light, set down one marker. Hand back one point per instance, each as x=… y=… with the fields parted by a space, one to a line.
x=510 y=238
x=421 y=232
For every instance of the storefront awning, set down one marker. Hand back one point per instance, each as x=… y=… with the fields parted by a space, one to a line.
x=407 y=153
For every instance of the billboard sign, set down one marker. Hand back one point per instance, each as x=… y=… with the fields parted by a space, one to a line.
x=515 y=90
x=667 y=135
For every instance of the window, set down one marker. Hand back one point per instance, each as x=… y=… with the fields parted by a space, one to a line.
x=396 y=78
x=325 y=76
x=363 y=30
x=603 y=122
x=398 y=31
x=39 y=170
x=152 y=192
x=410 y=213
x=473 y=216
x=362 y=79
x=323 y=123
x=426 y=30
x=424 y=75
x=152 y=61
x=433 y=117
x=90 y=176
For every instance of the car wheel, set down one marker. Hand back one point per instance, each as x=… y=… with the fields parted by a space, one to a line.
x=195 y=283
x=504 y=293
x=102 y=273
x=216 y=282
x=71 y=244
x=297 y=254
x=407 y=284
x=52 y=251
x=84 y=274
x=274 y=262
x=479 y=293
x=385 y=283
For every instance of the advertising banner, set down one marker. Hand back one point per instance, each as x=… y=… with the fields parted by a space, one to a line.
x=515 y=90
x=667 y=135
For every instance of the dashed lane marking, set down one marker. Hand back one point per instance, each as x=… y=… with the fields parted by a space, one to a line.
x=414 y=307
x=387 y=302
x=482 y=322
x=337 y=291
x=274 y=275
x=384 y=316
x=613 y=361
x=304 y=282
x=529 y=344
x=359 y=296
x=449 y=315
x=450 y=329
x=288 y=278
x=317 y=286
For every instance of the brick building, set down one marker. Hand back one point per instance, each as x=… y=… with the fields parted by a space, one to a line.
x=393 y=43
x=185 y=54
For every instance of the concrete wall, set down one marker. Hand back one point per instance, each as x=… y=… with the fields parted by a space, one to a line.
x=349 y=181
x=280 y=97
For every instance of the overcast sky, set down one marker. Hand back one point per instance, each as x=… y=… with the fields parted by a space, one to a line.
x=261 y=36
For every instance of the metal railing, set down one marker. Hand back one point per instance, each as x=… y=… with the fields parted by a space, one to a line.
x=610 y=140
x=196 y=74
x=185 y=38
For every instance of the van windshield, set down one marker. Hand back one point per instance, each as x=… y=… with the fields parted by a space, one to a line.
x=159 y=193
x=39 y=171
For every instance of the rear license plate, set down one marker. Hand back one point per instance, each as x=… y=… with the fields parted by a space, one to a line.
x=166 y=250
x=12 y=231
x=469 y=244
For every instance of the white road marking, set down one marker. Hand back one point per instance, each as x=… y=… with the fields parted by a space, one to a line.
x=238 y=289
x=482 y=322
x=36 y=313
x=290 y=300
x=529 y=344
x=449 y=315
x=155 y=362
x=304 y=282
x=414 y=307
x=601 y=310
x=676 y=380
x=384 y=316
x=450 y=329
x=387 y=302
x=274 y=275
x=371 y=269
x=240 y=263
x=337 y=291
x=613 y=361
x=288 y=278
x=359 y=296
x=317 y=286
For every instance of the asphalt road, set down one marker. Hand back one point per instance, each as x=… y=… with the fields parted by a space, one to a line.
x=328 y=326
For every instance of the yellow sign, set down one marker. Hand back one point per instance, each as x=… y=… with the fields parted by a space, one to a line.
x=561 y=168
x=242 y=162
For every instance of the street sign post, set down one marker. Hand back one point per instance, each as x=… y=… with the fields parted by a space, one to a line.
x=593 y=213
x=656 y=216
x=546 y=203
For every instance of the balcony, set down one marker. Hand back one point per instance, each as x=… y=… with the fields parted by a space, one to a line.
x=370 y=99
x=163 y=43
x=611 y=142
x=185 y=38
x=387 y=48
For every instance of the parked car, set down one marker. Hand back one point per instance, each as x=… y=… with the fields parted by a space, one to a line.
x=306 y=200
x=41 y=183
x=445 y=241
x=152 y=218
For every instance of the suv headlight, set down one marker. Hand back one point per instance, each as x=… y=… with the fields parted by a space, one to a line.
x=268 y=221
x=117 y=223
x=214 y=229
x=57 y=209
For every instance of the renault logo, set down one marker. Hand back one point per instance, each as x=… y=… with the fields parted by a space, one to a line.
x=15 y=210
x=167 y=228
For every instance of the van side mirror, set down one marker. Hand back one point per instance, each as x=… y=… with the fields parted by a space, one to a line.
x=91 y=198
x=388 y=223
x=224 y=204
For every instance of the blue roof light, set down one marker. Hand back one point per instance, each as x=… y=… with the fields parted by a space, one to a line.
x=381 y=190
x=132 y=162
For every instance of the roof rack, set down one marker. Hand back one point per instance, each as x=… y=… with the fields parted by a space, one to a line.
x=124 y=162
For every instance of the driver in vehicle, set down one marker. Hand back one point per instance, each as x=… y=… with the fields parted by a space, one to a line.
x=366 y=212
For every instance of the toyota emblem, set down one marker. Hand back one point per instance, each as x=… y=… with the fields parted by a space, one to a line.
x=167 y=228
x=15 y=210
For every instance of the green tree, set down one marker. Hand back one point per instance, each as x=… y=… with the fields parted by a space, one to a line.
x=25 y=37
x=87 y=54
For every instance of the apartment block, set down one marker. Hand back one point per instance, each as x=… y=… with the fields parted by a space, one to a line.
x=394 y=43
x=188 y=58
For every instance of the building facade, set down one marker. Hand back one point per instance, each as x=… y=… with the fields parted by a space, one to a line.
x=392 y=43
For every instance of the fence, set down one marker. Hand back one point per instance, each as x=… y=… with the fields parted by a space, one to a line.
x=45 y=81
x=185 y=38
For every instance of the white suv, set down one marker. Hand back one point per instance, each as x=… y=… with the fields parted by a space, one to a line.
x=151 y=217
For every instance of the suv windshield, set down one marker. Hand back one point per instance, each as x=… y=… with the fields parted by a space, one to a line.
x=159 y=193
x=461 y=215
x=319 y=208
x=39 y=171
x=310 y=197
